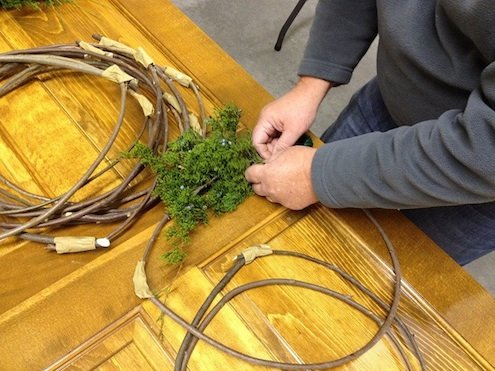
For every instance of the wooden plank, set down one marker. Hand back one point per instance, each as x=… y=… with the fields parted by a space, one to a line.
x=185 y=297
x=307 y=321
x=438 y=278
x=75 y=96
x=13 y=169
x=92 y=103
x=124 y=342
x=146 y=338
x=128 y=357
x=85 y=301
x=301 y=326
x=55 y=161
x=99 y=286
x=110 y=23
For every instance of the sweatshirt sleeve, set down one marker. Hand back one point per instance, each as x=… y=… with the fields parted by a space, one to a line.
x=447 y=161
x=341 y=33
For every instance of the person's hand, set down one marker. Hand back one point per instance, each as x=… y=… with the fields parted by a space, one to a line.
x=285 y=178
x=284 y=120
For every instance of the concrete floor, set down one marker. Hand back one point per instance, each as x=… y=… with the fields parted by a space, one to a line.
x=248 y=30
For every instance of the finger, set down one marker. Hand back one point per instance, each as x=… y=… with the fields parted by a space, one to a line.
x=271 y=146
x=263 y=134
x=272 y=199
x=286 y=140
x=258 y=189
x=264 y=150
x=260 y=135
x=254 y=173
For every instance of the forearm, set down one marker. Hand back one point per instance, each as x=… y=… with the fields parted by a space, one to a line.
x=447 y=161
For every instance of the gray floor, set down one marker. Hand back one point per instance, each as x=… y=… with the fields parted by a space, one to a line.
x=247 y=30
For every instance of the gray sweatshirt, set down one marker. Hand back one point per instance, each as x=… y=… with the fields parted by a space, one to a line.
x=436 y=73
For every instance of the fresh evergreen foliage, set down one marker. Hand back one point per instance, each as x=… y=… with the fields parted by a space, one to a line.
x=8 y=4
x=199 y=174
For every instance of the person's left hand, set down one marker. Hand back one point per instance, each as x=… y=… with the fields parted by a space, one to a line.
x=285 y=178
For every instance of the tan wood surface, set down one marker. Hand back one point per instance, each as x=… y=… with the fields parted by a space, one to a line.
x=79 y=311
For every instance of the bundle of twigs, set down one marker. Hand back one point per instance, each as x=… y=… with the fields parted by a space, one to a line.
x=27 y=215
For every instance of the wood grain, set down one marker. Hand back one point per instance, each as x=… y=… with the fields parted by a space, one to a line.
x=79 y=311
x=317 y=322
x=132 y=342
x=280 y=323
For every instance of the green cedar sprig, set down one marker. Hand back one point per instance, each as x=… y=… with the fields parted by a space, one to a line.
x=197 y=175
x=9 y=4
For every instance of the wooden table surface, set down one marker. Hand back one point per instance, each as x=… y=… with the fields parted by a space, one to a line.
x=79 y=310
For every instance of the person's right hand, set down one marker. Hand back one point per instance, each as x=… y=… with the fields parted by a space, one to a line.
x=284 y=120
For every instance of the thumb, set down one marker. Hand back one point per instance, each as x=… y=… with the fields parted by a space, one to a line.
x=286 y=140
x=254 y=173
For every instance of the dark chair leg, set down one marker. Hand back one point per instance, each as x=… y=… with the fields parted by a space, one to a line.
x=288 y=22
